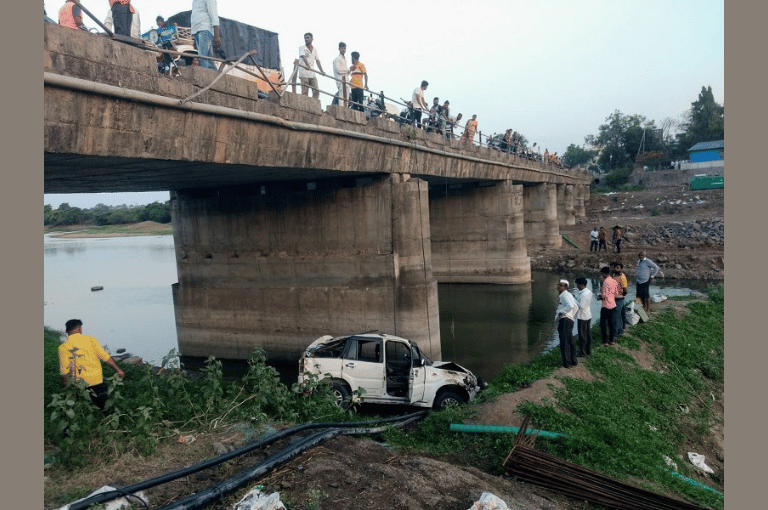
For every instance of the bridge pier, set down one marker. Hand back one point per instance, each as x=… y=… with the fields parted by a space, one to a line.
x=540 y=213
x=565 y=204
x=478 y=234
x=276 y=266
x=582 y=197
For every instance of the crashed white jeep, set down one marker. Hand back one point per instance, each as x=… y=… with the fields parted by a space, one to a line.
x=391 y=370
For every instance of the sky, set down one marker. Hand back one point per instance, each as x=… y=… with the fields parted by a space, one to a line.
x=552 y=70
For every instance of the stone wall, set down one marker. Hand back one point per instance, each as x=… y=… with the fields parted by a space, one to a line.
x=683 y=176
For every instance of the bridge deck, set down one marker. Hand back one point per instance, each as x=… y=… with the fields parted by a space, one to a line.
x=112 y=123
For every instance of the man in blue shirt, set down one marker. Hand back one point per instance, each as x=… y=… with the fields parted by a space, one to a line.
x=646 y=269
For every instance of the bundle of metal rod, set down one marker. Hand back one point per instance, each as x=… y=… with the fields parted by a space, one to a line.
x=574 y=481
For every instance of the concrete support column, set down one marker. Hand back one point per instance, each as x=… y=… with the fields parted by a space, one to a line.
x=478 y=235
x=570 y=209
x=277 y=266
x=540 y=213
x=565 y=207
x=579 y=205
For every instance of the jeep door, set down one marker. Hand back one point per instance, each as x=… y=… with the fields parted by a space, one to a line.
x=363 y=365
x=418 y=377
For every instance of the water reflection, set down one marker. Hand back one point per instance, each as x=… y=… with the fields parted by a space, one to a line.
x=483 y=327
x=135 y=309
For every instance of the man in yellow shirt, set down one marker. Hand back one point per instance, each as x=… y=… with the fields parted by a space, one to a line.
x=80 y=357
x=358 y=74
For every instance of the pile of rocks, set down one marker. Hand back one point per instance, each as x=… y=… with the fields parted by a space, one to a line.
x=680 y=234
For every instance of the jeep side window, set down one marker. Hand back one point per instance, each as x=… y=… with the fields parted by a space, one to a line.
x=363 y=349
x=398 y=353
x=419 y=359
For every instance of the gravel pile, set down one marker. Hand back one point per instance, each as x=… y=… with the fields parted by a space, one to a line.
x=705 y=232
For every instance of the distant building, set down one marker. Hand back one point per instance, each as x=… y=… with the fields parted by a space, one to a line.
x=707 y=159
x=707 y=151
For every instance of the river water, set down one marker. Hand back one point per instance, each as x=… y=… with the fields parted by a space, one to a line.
x=483 y=327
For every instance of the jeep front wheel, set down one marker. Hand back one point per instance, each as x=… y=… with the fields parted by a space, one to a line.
x=447 y=399
x=341 y=394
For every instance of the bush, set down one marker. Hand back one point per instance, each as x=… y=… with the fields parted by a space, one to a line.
x=618 y=176
x=149 y=405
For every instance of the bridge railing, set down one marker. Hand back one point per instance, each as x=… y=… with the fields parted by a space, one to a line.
x=448 y=127
x=375 y=107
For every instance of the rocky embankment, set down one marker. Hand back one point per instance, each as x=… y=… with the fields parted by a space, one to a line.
x=683 y=233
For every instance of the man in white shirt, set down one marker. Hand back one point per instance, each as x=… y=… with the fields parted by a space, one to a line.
x=584 y=317
x=593 y=238
x=419 y=103
x=205 y=29
x=340 y=72
x=566 y=311
x=307 y=59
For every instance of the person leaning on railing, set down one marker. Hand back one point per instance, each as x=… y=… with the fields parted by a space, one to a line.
x=358 y=73
x=71 y=16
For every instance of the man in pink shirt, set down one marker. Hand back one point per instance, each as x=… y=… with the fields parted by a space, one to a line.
x=607 y=296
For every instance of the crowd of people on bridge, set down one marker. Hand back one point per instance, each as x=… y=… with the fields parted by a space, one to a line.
x=351 y=78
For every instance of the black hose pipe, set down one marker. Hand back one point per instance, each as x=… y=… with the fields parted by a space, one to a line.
x=159 y=480
x=206 y=496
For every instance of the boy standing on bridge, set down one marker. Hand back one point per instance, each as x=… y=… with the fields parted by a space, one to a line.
x=307 y=58
x=340 y=72
x=419 y=103
x=357 y=73
x=205 y=29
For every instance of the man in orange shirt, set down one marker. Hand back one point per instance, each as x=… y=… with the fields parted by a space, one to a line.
x=358 y=74
x=80 y=357
x=621 y=292
x=71 y=16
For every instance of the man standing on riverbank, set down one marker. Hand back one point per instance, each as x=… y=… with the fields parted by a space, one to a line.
x=621 y=291
x=566 y=311
x=646 y=269
x=584 y=317
x=608 y=297
x=80 y=357
x=601 y=236
x=593 y=238
x=617 y=238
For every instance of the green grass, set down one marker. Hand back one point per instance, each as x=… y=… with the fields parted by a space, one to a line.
x=147 y=406
x=627 y=418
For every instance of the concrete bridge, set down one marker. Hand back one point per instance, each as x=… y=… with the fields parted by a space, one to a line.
x=291 y=222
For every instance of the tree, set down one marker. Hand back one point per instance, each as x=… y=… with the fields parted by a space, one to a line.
x=576 y=155
x=705 y=122
x=623 y=137
x=157 y=212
